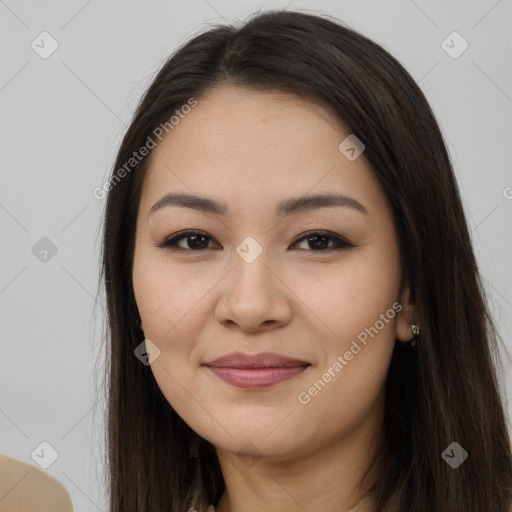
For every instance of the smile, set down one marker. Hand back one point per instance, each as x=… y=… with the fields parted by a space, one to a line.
x=256 y=371
x=256 y=377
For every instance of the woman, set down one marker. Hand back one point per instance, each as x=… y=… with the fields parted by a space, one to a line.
x=296 y=318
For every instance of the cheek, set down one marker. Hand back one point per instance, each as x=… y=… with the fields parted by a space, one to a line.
x=173 y=316
x=169 y=298
x=357 y=311
x=356 y=351
x=347 y=298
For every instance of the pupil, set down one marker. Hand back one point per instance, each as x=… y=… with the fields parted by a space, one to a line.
x=322 y=244
x=194 y=239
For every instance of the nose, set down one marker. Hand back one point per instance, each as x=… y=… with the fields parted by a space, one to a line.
x=254 y=297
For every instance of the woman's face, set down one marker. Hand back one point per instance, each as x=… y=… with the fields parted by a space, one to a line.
x=323 y=310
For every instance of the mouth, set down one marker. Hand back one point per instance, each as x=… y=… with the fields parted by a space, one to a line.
x=256 y=371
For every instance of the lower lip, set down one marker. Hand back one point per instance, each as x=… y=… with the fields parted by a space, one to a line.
x=256 y=378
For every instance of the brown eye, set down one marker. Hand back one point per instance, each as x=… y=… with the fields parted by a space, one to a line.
x=318 y=241
x=194 y=240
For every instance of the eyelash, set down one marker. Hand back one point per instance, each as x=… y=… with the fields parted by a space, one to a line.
x=170 y=243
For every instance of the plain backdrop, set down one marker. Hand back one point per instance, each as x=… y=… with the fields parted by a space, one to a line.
x=62 y=119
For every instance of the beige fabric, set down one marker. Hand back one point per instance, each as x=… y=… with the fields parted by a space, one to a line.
x=26 y=488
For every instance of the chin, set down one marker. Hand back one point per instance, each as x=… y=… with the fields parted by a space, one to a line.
x=256 y=447
x=253 y=437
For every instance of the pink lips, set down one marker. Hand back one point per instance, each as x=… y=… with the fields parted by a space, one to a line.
x=256 y=371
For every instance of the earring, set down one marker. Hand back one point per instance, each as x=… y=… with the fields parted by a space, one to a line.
x=415 y=332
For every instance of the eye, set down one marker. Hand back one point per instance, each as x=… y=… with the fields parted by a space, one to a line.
x=319 y=241
x=196 y=240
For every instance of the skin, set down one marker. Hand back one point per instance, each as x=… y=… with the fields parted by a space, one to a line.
x=251 y=150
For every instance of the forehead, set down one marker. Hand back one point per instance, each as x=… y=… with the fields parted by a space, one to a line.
x=251 y=147
x=232 y=122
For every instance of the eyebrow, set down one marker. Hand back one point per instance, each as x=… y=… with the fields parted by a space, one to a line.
x=286 y=207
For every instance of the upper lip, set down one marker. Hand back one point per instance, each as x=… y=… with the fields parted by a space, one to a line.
x=265 y=359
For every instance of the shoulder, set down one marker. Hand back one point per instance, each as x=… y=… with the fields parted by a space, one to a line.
x=25 y=487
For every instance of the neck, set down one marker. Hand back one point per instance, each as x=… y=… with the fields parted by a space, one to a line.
x=328 y=477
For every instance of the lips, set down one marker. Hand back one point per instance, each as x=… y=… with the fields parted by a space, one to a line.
x=256 y=371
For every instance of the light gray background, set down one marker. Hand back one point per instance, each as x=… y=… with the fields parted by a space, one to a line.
x=62 y=119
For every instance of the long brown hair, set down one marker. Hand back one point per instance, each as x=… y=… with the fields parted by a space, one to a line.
x=443 y=390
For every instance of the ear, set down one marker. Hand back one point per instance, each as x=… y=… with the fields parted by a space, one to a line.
x=407 y=315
